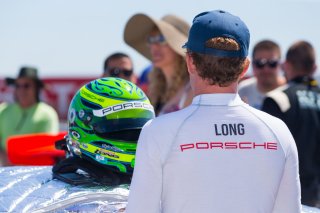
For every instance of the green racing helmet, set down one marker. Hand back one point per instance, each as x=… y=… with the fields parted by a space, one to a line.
x=105 y=118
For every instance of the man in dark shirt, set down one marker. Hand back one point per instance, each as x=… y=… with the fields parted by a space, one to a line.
x=298 y=105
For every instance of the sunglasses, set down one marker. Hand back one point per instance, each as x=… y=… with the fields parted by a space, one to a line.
x=158 y=39
x=23 y=86
x=116 y=72
x=261 y=63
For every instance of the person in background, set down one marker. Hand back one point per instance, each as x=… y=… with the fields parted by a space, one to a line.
x=143 y=80
x=28 y=114
x=298 y=105
x=160 y=41
x=219 y=154
x=119 y=65
x=266 y=70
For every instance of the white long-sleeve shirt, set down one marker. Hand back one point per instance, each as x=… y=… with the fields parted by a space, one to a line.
x=217 y=155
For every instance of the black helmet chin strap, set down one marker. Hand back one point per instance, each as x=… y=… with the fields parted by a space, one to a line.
x=78 y=171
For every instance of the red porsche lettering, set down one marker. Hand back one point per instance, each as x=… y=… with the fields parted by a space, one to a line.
x=229 y=145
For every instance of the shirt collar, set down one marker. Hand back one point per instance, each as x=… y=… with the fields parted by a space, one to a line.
x=220 y=99
x=306 y=80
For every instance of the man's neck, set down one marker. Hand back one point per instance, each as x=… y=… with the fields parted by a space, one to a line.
x=205 y=88
x=264 y=88
x=27 y=105
x=297 y=75
x=267 y=88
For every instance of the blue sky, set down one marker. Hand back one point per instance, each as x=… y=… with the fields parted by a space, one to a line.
x=72 y=37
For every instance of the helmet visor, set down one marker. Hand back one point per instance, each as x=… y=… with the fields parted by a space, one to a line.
x=124 y=129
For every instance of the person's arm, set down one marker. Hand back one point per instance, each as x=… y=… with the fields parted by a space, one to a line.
x=146 y=185
x=3 y=158
x=288 y=199
x=53 y=123
x=3 y=153
x=49 y=122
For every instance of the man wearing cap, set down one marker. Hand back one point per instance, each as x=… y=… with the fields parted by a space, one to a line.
x=28 y=114
x=219 y=154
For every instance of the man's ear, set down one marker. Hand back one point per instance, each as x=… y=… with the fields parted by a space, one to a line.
x=245 y=68
x=314 y=68
x=287 y=69
x=190 y=64
x=284 y=66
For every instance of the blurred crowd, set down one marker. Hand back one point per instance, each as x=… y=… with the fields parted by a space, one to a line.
x=283 y=87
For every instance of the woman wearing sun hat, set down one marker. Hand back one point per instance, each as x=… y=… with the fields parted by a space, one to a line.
x=161 y=42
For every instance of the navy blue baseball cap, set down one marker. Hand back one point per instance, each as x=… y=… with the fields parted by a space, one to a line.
x=214 y=24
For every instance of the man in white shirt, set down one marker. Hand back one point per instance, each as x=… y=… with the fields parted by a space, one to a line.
x=266 y=70
x=219 y=154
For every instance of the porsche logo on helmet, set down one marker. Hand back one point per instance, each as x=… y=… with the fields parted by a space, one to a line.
x=121 y=107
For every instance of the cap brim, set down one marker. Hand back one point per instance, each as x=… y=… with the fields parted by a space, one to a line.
x=185 y=46
x=140 y=25
x=11 y=81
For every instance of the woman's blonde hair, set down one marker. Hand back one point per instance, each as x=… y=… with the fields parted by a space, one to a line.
x=158 y=91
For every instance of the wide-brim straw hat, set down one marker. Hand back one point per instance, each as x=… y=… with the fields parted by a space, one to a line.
x=174 y=29
x=26 y=72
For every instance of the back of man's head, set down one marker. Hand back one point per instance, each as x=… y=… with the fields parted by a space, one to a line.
x=301 y=56
x=218 y=44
